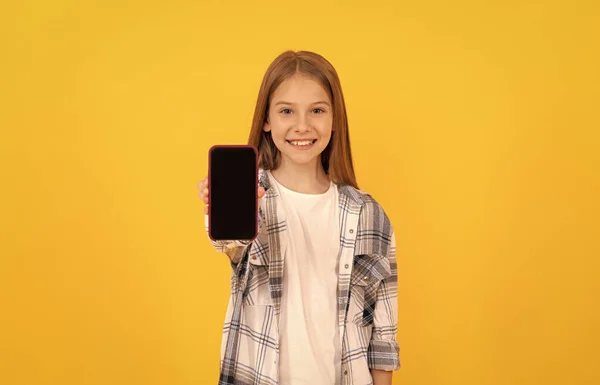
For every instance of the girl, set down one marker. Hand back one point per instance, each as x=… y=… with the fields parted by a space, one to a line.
x=314 y=296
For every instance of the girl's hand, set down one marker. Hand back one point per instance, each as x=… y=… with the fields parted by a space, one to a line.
x=203 y=193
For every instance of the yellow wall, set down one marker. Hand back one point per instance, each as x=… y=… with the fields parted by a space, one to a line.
x=474 y=123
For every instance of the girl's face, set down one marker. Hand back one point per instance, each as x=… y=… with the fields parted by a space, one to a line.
x=300 y=120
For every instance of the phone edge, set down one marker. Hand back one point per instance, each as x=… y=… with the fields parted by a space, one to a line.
x=255 y=190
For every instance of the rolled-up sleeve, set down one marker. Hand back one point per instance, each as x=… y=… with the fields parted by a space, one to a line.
x=384 y=351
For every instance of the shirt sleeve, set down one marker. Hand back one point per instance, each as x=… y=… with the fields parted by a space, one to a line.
x=384 y=352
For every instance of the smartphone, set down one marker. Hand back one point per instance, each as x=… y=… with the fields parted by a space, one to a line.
x=233 y=200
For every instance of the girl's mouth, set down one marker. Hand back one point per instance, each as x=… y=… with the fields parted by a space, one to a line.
x=302 y=144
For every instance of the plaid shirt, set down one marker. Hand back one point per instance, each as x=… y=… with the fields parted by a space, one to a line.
x=367 y=293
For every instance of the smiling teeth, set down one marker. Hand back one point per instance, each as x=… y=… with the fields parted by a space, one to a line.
x=302 y=143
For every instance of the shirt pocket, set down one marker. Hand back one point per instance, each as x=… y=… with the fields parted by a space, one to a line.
x=257 y=291
x=368 y=272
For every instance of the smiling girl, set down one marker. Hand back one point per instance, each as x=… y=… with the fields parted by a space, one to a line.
x=314 y=296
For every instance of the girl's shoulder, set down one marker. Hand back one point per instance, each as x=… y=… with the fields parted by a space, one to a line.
x=360 y=196
x=370 y=206
x=373 y=220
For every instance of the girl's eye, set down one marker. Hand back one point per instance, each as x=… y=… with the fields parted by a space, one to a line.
x=318 y=110
x=286 y=111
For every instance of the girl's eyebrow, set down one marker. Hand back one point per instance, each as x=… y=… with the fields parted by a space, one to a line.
x=319 y=102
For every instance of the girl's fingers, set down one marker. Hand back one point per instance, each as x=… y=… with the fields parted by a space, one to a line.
x=203 y=184
x=203 y=190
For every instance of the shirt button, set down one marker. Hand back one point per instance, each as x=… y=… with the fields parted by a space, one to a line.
x=351 y=231
x=346 y=266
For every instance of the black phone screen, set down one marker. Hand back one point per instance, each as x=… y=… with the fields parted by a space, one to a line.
x=233 y=200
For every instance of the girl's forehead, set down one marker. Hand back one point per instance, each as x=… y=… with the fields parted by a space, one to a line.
x=300 y=88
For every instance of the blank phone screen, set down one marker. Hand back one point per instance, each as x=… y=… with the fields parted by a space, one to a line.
x=233 y=200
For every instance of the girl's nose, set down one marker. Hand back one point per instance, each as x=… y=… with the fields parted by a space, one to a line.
x=302 y=124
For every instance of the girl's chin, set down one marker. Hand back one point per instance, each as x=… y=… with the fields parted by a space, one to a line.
x=303 y=158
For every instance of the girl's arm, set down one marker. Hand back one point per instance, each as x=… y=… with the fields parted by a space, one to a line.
x=381 y=377
x=384 y=352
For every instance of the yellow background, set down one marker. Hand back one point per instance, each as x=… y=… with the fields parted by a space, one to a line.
x=474 y=123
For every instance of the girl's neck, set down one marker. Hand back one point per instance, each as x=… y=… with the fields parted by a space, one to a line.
x=305 y=179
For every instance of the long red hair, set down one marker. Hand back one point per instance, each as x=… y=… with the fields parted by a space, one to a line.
x=337 y=156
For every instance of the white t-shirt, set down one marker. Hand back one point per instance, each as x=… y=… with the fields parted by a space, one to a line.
x=309 y=341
